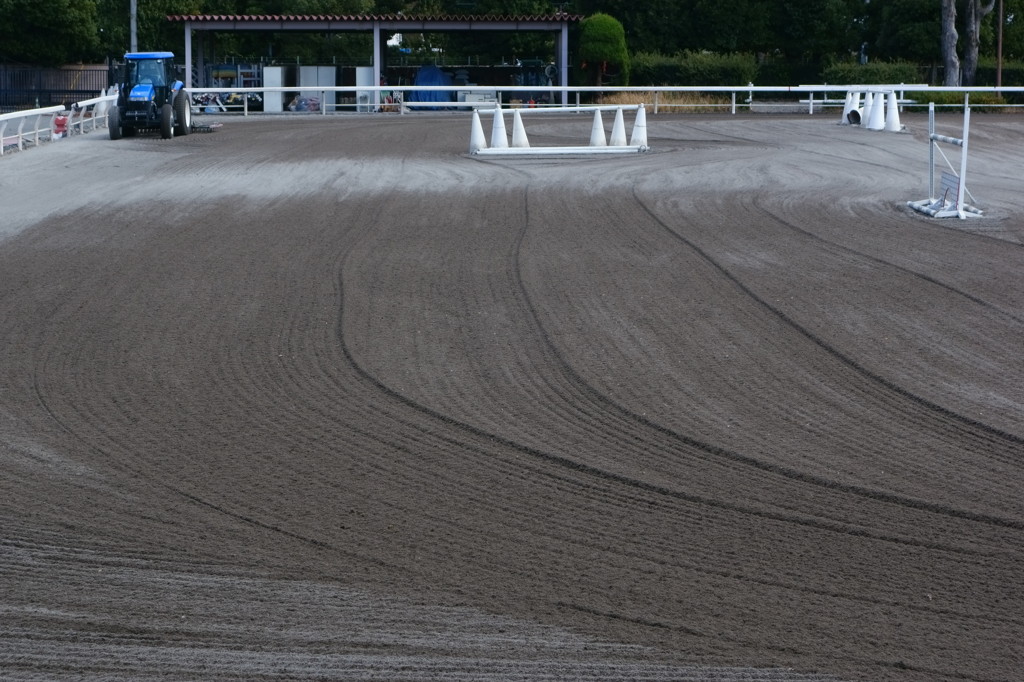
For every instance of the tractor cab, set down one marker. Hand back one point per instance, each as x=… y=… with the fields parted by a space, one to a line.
x=150 y=96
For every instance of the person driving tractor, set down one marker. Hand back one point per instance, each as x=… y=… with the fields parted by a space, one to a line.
x=151 y=72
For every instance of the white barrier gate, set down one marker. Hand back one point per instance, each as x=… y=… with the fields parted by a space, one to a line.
x=598 y=143
x=949 y=202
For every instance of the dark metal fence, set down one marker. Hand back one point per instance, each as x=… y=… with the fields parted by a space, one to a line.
x=25 y=87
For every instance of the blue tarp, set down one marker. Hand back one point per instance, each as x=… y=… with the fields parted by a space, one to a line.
x=431 y=75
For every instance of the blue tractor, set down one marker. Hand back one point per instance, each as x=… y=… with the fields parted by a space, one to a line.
x=150 y=97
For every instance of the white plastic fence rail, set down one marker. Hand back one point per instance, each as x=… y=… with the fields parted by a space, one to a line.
x=740 y=96
x=34 y=126
x=94 y=111
x=39 y=122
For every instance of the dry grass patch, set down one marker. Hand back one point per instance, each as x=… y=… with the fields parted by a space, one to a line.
x=671 y=102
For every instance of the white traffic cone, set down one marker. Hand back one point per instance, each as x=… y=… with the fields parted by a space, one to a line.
x=477 y=141
x=847 y=105
x=499 y=138
x=618 y=138
x=892 y=116
x=877 y=119
x=597 y=138
x=518 y=131
x=865 y=114
x=855 y=115
x=639 y=136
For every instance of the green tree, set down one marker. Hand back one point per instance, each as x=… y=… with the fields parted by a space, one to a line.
x=977 y=11
x=499 y=45
x=154 y=32
x=811 y=30
x=955 y=33
x=506 y=7
x=948 y=37
x=48 y=33
x=1013 y=31
x=732 y=25
x=389 y=6
x=904 y=29
x=603 y=50
x=652 y=25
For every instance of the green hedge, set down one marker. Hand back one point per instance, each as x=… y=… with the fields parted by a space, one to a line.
x=852 y=73
x=1013 y=77
x=692 y=68
x=782 y=72
x=953 y=98
x=1013 y=73
x=703 y=68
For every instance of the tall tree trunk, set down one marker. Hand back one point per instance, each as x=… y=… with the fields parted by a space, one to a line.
x=976 y=11
x=950 y=61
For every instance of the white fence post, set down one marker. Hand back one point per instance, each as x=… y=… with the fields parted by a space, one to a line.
x=931 y=151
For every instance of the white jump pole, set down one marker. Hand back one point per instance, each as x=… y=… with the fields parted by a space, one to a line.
x=560 y=151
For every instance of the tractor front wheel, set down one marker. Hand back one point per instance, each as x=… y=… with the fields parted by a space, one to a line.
x=114 y=123
x=167 y=121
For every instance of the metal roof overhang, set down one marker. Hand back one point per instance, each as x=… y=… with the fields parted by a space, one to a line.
x=385 y=23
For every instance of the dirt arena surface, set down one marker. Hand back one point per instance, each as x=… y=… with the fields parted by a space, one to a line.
x=327 y=398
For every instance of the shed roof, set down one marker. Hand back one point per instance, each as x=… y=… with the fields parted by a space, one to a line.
x=355 y=22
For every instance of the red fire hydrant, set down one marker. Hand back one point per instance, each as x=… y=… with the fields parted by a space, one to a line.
x=60 y=126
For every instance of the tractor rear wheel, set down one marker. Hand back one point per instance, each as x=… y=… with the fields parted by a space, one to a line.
x=183 y=114
x=167 y=121
x=114 y=123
